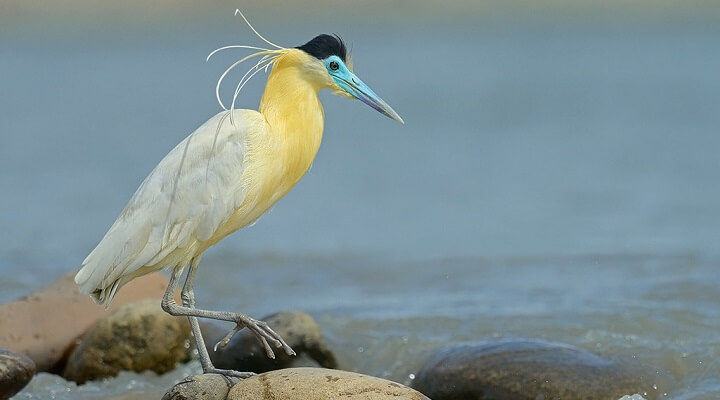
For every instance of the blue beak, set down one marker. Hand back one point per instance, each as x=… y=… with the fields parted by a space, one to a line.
x=358 y=89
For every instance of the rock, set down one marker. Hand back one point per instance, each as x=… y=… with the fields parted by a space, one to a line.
x=34 y=326
x=137 y=337
x=16 y=370
x=204 y=387
x=294 y=384
x=244 y=352
x=528 y=370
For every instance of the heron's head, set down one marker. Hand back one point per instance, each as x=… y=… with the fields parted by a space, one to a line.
x=329 y=64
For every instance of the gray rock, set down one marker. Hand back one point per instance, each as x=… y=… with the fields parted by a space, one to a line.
x=137 y=337
x=244 y=352
x=16 y=370
x=529 y=370
x=205 y=387
x=294 y=384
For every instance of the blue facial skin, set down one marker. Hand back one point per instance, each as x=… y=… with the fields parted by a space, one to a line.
x=357 y=88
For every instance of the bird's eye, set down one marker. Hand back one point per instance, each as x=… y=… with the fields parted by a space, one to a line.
x=334 y=65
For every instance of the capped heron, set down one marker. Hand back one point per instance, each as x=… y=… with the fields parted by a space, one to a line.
x=223 y=177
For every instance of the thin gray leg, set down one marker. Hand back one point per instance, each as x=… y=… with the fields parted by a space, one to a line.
x=188 y=299
x=260 y=329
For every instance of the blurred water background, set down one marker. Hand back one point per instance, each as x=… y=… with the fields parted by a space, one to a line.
x=557 y=176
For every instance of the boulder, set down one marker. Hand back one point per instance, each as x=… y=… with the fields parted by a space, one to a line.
x=529 y=370
x=37 y=325
x=137 y=337
x=245 y=353
x=16 y=370
x=293 y=384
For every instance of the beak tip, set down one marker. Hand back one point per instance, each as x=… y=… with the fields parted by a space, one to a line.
x=390 y=113
x=396 y=117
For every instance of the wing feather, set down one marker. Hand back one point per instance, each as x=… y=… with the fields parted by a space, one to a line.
x=184 y=200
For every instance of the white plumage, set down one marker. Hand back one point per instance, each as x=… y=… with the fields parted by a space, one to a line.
x=189 y=195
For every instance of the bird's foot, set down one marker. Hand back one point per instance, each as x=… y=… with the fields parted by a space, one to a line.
x=262 y=332
x=229 y=373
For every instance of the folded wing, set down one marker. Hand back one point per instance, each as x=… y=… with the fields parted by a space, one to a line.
x=183 y=201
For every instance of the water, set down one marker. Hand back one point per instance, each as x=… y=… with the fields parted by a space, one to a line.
x=556 y=179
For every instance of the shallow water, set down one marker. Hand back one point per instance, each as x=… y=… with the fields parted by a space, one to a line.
x=556 y=179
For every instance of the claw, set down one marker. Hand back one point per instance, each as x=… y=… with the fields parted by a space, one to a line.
x=277 y=339
x=219 y=345
x=226 y=340
x=266 y=346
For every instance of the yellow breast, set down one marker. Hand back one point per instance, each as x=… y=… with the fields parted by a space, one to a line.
x=280 y=154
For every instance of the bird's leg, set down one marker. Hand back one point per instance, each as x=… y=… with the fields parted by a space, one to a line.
x=188 y=299
x=260 y=329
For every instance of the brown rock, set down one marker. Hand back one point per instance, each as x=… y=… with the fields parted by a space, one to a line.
x=244 y=352
x=137 y=337
x=37 y=325
x=295 y=384
x=529 y=370
x=16 y=370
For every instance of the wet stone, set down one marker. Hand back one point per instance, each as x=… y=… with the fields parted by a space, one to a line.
x=16 y=370
x=529 y=370
x=137 y=337
x=245 y=353
x=294 y=384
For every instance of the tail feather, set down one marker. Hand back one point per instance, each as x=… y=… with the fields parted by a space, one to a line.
x=88 y=284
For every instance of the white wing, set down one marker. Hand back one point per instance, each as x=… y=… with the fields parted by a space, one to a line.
x=188 y=195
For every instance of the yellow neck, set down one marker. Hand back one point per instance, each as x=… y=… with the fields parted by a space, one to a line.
x=295 y=115
x=280 y=152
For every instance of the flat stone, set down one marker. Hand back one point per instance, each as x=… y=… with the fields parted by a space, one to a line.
x=294 y=384
x=244 y=352
x=16 y=370
x=137 y=337
x=529 y=370
x=38 y=325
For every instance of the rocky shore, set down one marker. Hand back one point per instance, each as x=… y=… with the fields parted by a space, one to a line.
x=57 y=330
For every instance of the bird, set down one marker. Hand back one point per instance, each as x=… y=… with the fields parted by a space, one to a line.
x=223 y=177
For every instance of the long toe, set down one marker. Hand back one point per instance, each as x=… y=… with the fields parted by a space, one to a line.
x=264 y=333
x=288 y=350
x=276 y=338
x=229 y=372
